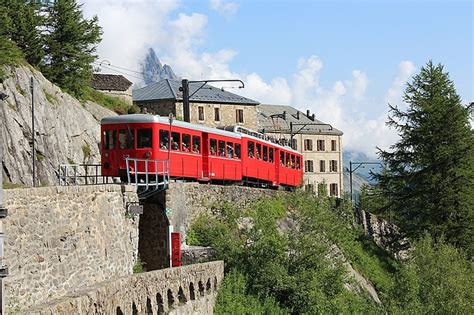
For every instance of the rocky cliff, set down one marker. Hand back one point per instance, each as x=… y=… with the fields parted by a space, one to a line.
x=66 y=130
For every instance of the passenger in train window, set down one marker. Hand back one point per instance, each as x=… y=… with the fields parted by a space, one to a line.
x=196 y=144
x=298 y=163
x=186 y=143
x=288 y=161
x=213 y=147
x=175 y=144
x=270 y=157
x=282 y=158
x=237 y=151
x=251 y=149
x=164 y=140
x=259 y=151
x=221 y=148
x=265 y=153
x=230 y=150
x=293 y=163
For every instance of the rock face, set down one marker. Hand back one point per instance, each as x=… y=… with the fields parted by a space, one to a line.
x=153 y=71
x=66 y=130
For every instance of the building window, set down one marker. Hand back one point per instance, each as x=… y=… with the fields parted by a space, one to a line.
x=333 y=165
x=308 y=145
x=294 y=144
x=320 y=144
x=309 y=187
x=239 y=116
x=308 y=166
x=333 y=190
x=201 y=113
x=217 y=116
x=333 y=145
x=322 y=166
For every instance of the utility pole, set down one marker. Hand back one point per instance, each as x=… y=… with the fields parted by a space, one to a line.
x=32 y=89
x=186 y=95
x=357 y=166
x=3 y=215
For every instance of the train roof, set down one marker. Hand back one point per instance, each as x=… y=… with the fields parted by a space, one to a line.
x=145 y=118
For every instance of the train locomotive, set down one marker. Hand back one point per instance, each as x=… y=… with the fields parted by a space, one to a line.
x=196 y=152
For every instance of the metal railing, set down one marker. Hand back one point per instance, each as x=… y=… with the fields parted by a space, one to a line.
x=149 y=176
x=81 y=174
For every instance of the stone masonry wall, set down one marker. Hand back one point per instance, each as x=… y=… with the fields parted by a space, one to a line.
x=184 y=290
x=186 y=201
x=61 y=239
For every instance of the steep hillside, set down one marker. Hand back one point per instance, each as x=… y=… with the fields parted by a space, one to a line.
x=66 y=130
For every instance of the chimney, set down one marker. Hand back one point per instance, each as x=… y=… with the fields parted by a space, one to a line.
x=312 y=117
x=307 y=113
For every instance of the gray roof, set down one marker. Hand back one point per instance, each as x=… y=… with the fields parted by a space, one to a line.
x=279 y=125
x=169 y=90
x=116 y=82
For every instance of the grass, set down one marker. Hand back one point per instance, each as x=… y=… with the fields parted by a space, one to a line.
x=139 y=266
x=10 y=54
x=51 y=99
x=86 y=150
x=13 y=186
x=113 y=103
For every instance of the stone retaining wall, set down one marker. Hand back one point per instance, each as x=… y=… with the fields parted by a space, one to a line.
x=61 y=239
x=184 y=290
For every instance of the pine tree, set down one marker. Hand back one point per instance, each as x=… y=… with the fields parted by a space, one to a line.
x=429 y=177
x=21 y=22
x=70 y=45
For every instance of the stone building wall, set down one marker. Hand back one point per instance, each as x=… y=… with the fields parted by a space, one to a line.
x=61 y=239
x=185 y=290
x=227 y=112
x=124 y=95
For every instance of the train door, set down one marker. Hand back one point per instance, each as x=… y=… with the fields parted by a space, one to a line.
x=205 y=155
x=276 y=159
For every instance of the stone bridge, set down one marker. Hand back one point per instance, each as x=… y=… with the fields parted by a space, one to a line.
x=184 y=290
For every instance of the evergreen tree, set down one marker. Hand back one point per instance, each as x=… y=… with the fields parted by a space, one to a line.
x=21 y=22
x=429 y=180
x=70 y=45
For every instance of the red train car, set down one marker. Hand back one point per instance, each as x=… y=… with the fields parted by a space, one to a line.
x=196 y=152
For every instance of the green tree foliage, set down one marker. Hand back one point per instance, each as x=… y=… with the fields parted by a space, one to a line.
x=10 y=54
x=439 y=279
x=284 y=249
x=429 y=176
x=70 y=45
x=21 y=22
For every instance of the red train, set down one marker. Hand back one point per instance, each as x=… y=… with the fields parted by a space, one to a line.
x=197 y=152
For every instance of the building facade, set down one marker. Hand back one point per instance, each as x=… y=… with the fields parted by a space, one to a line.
x=320 y=144
x=208 y=105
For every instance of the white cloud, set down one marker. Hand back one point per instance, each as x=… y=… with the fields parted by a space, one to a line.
x=224 y=8
x=405 y=70
x=178 y=42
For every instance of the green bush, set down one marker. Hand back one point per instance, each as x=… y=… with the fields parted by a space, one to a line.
x=10 y=54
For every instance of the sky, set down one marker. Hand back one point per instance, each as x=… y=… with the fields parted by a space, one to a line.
x=343 y=60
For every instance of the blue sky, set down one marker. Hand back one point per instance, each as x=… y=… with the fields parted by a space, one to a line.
x=343 y=60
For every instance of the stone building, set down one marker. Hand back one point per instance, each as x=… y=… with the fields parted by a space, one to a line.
x=210 y=106
x=113 y=84
x=320 y=144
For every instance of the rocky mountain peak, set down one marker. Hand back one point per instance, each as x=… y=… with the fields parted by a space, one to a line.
x=153 y=71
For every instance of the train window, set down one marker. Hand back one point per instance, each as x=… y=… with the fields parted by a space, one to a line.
x=282 y=158
x=265 y=153
x=213 y=147
x=126 y=139
x=144 y=138
x=196 y=144
x=237 y=150
x=259 y=151
x=270 y=156
x=251 y=149
x=293 y=161
x=186 y=143
x=221 y=148
x=175 y=141
x=298 y=163
x=110 y=136
x=164 y=139
x=230 y=150
x=288 y=161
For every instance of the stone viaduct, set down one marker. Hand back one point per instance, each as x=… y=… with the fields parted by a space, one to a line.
x=71 y=250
